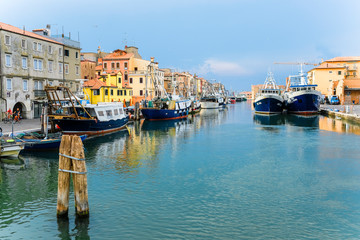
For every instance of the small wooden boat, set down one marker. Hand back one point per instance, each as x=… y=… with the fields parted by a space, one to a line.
x=36 y=141
x=9 y=147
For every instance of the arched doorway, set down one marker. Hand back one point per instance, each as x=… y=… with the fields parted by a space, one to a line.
x=21 y=107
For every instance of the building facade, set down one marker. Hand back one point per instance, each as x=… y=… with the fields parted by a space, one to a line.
x=28 y=62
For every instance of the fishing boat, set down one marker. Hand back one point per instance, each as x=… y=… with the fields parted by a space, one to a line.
x=38 y=141
x=163 y=106
x=66 y=111
x=301 y=97
x=210 y=102
x=233 y=100
x=195 y=107
x=9 y=147
x=269 y=99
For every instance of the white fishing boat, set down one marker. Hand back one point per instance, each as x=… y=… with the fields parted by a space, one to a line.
x=9 y=147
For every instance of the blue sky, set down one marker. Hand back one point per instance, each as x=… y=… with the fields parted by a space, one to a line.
x=234 y=42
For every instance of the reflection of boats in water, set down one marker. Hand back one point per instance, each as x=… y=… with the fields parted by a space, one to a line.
x=303 y=121
x=163 y=125
x=277 y=119
x=293 y=120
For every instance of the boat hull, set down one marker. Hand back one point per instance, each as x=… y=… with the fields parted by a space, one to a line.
x=305 y=103
x=155 y=114
x=209 y=105
x=269 y=105
x=11 y=150
x=44 y=144
x=90 y=126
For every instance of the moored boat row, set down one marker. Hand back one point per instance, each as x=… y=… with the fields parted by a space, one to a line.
x=299 y=97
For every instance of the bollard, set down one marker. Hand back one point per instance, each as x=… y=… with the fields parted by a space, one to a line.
x=72 y=160
x=64 y=177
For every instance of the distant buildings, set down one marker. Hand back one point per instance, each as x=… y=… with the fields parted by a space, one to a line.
x=338 y=76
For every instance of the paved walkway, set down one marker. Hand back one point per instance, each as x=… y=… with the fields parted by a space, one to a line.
x=352 y=109
x=24 y=125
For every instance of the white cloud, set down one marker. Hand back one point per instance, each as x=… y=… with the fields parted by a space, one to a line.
x=222 y=68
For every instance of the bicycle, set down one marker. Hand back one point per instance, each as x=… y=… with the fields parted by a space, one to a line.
x=7 y=119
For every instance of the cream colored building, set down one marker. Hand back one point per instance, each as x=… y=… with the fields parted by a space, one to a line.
x=28 y=62
x=338 y=76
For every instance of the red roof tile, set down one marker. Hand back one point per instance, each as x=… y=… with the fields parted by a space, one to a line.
x=10 y=28
x=96 y=84
x=118 y=54
x=343 y=59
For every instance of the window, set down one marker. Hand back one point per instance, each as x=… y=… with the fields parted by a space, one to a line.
x=76 y=54
x=339 y=72
x=60 y=68
x=50 y=66
x=105 y=66
x=121 y=92
x=119 y=80
x=7 y=40
x=66 y=68
x=141 y=80
x=9 y=84
x=60 y=52
x=141 y=92
x=131 y=80
x=24 y=62
x=8 y=60
x=23 y=43
x=39 y=47
x=135 y=69
x=112 y=65
x=101 y=113
x=125 y=65
x=106 y=92
x=117 y=65
x=126 y=77
x=38 y=85
x=34 y=46
x=77 y=70
x=112 y=92
x=25 y=85
x=108 y=113
x=50 y=49
x=97 y=92
x=50 y=83
x=116 y=112
x=130 y=93
x=124 y=92
x=121 y=111
x=66 y=52
x=38 y=64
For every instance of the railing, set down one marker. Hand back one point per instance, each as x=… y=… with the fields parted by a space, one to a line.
x=137 y=72
x=39 y=93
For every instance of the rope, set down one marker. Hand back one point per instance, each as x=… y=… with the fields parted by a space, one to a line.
x=70 y=171
x=64 y=155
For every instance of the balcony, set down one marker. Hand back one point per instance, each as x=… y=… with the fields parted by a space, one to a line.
x=142 y=72
x=39 y=93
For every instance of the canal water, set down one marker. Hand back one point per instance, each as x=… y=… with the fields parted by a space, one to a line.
x=219 y=175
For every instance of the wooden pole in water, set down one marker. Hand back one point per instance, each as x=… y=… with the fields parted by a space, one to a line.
x=72 y=160
x=80 y=178
x=64 y=177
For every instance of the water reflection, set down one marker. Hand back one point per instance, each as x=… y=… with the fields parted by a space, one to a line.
x=290 y=119
x=276 y=119
x=81 y=228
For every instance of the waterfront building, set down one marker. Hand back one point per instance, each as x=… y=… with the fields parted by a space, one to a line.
x=28 y=62
x=107 y=88
x=133 y=70
x=88 y=69
x=71 y=61
x=338 y=76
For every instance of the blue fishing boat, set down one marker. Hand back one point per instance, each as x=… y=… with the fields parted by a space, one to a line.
x=166 y=109
x=269 y=99
x=301 y=97
x=90 y=119
x=163 y=106
x=34 y=141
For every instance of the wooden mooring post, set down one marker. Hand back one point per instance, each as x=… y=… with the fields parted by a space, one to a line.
x=137 y=111
x=72 y=160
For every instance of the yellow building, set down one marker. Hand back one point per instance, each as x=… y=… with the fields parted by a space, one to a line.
x=107 y=88
x=338 y=76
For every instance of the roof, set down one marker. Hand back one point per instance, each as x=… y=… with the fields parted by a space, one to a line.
x=326 y=65
x=118 y=54
x=96 y=84
x=10 y=28
x=86 y=60
x=98 y=67
x=344 y=59
x=352 y=84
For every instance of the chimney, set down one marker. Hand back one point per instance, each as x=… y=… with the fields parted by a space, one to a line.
x=152 y=59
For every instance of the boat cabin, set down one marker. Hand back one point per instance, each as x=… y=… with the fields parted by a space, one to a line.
x=270 y=91
x=303 y=88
